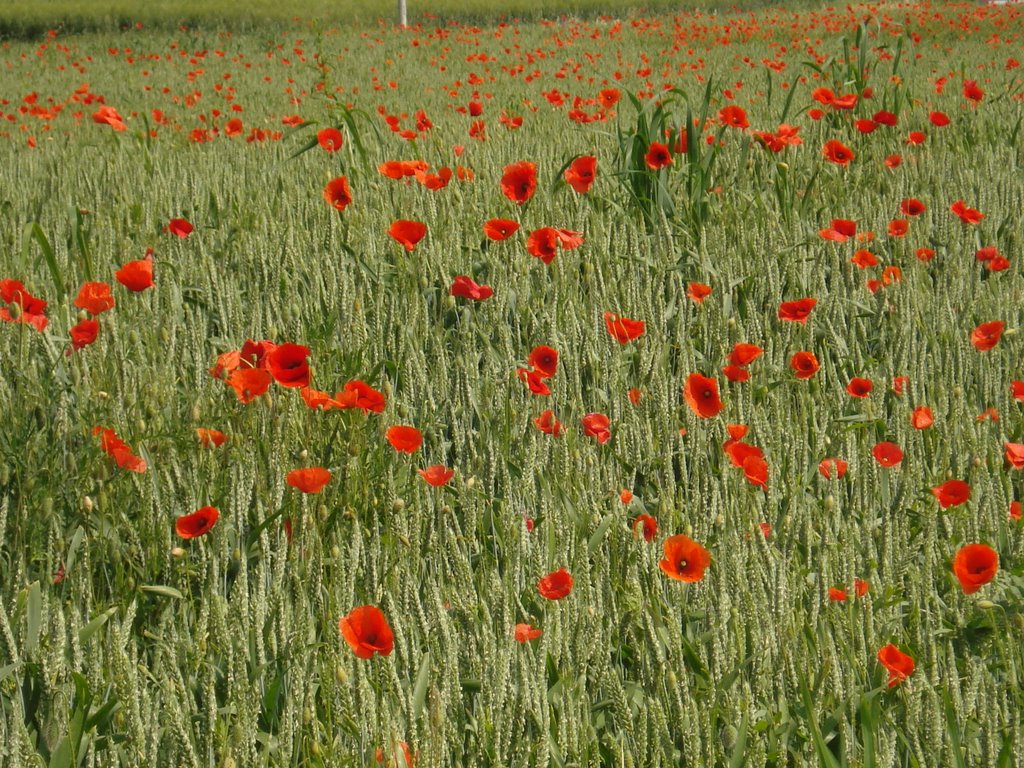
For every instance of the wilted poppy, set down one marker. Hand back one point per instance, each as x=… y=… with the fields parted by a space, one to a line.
x=657 y=156
x=404 y=439
x=804 y=365
x=408 y=233
x=524 y=633
x=179 y=227
x=338 y=194
x=702 y=395
x=952 y=493
x=464 y=287
x=545 y=360
x=796 y=311
x=898 y=664
x=887 y=454
x=136 y=275
x=310 y=479
x=500 y=229
x=436 y=475
x=519 y=181
x=596 y=425
x=84 y=333
x=832 y=468
x=859 y=387
x=922 y=417
x=196 y=524
x=548 y=424
x=210 y=438
x=288 y=364
x=367 y=632
x=622 y=329
x=330 y=139
x=987 y=335
x=975 y=565
x=581 y=173
x=685 y=559
x=94 y=298
x=555 y=585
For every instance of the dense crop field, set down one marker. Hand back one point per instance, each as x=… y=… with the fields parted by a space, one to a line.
x=626 y=392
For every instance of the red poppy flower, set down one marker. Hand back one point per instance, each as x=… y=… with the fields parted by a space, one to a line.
x=519 y=181
x=367 y=632
x=179 y=227
x=893 y=161
x=965 y=214
x=733 y=116
x=952 y=493
x=119 y=451
x=657 y=156
x=859 y=387
x=535 y=380
x=337 y=193
x=548 y=424
x=1016 y=510
x=924 y=254
x=288 y=364
x=596 y=425
x=744 y=354
x=249 y=383
x=196 y=524
x=210 y=438
x=364 y=396
x=84 y=333
x=437 y=475
x=107 y=115
x=836 y=595
x=408 y=233
x=986 y=335
x=1017 y=390
x=972 y=91
x=865 y=126
x=916 y=138
x=309 y=480
x=1015 y=455
x=622 y=329
x=734 y=374
x=500 y=229
x=912 y=207
x=738 y=452
x=94 y=298
x=634 y=394
x=896 y=663
x=938 y=119
x=609 y=97
x=837 y=152
x=975 y=565
x=888 y=119
x=330 y=139
x=685 y=559
x=404 y=439
x=898 y=228
x=702 y=395
x=887 y=454
x=545 y=360
x=860 y=587
x=524 y=633
x=555 y=585
x=646 y=526
x=698 y=292
x=755 y=470
x=804 y=365
x=922 y=417
x=26 y=307
x=864 y=259
x=543 y=244
x=581 y=173
x=832 y=468
x=796 y=311
x=465 y=288
x=136 y=275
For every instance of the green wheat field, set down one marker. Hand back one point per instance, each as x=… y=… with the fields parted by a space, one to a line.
x=552 y=385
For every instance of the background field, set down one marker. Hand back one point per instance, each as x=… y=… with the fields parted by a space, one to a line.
x=121 y=644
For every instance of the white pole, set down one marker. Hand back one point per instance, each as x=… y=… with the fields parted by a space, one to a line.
x=402 y=16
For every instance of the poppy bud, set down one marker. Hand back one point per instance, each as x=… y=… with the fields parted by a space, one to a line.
x=671 y=679
x=470 y=482
x=303 y=454
x=236 y=554
x=404 y=539
x=5 y=474
x=731 y=322
x=87 y=504
x=977 y=461
x=335 y=551
x=314 y=748
x=165 y=335
x=307 y=715
x=357 y=306
x=229 y=762
x=1010 y=332
x=398 y=505
x=196 y=413
x=322 y=513
x=141 y=425
x=830 y=501
x=102 y=395
x=340 y=674
x=102 y=499
x=133 y=337
x=177 y=552
x=986 y=604
x=957 y=391
x=449 y=302
x=15 y=311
